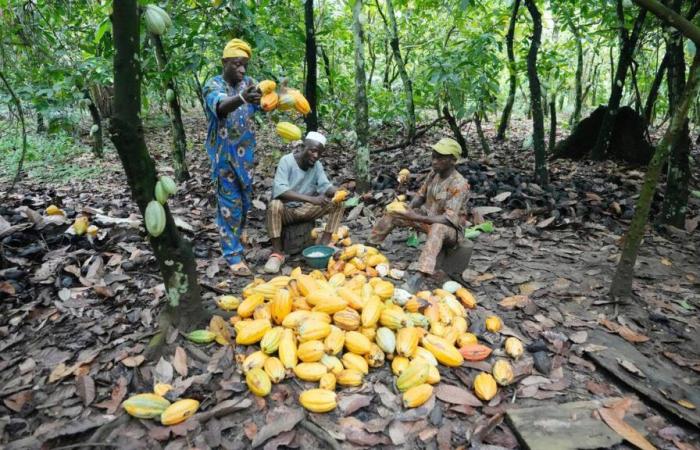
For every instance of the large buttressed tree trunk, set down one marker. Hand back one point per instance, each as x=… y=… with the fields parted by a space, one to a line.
x=179 y=149
x=361 y=115
x=625 y=59
x=173 y=253
x=311 y=66
x=541 y=173
x=512 y=74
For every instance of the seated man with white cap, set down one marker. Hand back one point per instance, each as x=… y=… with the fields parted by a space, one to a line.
x=301 y=192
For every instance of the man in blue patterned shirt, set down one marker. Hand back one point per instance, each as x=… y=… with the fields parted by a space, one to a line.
x=231 y=101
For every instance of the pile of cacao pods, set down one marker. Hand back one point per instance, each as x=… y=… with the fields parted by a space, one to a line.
x=155 y=406
x=80 y=226
x=331 y=328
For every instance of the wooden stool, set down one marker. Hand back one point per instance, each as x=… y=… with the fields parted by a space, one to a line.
x=296 y=237
x=453 y=261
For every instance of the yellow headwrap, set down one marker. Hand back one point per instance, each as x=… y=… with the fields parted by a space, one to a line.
x=237 y=48
x=447 y=146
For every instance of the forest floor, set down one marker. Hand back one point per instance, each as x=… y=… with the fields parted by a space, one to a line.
x=76 y=315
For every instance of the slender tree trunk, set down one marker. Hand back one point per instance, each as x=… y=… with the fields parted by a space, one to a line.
x=480 y=133
x=622 y=281
x=97 y=140
x=40 y=123
x=637 y=94
x=654 y=90
x=578 y=83
x=200 y=93
x=311 y=66
x=407 y=83
x=327 y=69
x=625 y=59
x=179 y=149
x=387 y=64
x=541 y=172
x=23 y=125
x=452 y=122
x=362 y=161
x=552 y=123
x=679 y=162
x=512 y=74
x=173 y=254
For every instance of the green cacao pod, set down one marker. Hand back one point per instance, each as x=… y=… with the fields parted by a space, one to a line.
x=164 y=15
x=170 y=95
x=168 y=184
x=154 y=21
x=145 y=406
x=160 y=193
x=288 y=131
x=94 y=129
x=201 y=336
x=155 y=218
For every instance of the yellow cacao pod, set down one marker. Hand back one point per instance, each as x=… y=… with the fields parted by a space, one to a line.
x=369 y=332
x=461 y=325
x=334 y=342
x=274 y=369
x=453 y=304
x=513 y=347
x=372 y=312
x=92 y=230
x=330 y=305
x=466 y=298
x=313 y=330
x=340 y=196
x=179 y=411
x=418 y=320
x=263 y=312
x=80 y=225
x=287 y=103
x=271 y=340
x=300 y=304
x=396 y=206
x=228 y=302
x=414 y=304
x=287 y=350
x=445 y=314
x=350 y=377
x=145 y=406
x=300 y=103
x=318 y=400
x=386 y=340
x=311 y=351
x=258 y=382
x=267 y=290
x=348 y=319
x=247 y=306
x=375 y=357
x=416 y=373
x=295 y=318
x=253 y=332
x=281 y=305
x=384 y=289
x=307 y=285
x=443 y=351
x=393 y=318
x=320 y=316
x=319 y=295
x=417 y=395
x=287 y=131
x=467 y=339
x=355 y=362
x=333 y=364
x=425 y=355
x=255 y=360
x=310 y=371
x=327 y=382
x=154 y=216
x=53 y=210
x=399 y=364
x=485 y=386
x=407 y=341
x=502 y=372
x=267 y=86
x=494 y=324
x=433 y=375
x=269 y=102
x=451 y=334
x=357 y=342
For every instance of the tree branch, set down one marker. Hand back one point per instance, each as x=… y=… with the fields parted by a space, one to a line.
x=689 y=30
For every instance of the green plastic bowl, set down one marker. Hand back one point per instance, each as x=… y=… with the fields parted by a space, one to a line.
x=317 y=262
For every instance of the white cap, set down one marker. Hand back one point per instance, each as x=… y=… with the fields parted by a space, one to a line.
x=318 y=137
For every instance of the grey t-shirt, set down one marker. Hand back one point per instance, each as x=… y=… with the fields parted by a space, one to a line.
x=290 y=177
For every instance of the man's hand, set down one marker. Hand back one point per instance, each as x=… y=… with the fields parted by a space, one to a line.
x=320 y=200
x=251 y=94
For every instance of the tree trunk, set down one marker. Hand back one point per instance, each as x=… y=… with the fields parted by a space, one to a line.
x=97 y=140
x=480 y=133
x=452 y=122
x=654 y=90
x=311 y=66
x=624 y=61
x=200 y=94
x=40 y=123
x=179 y=149
x=407 y=84
x=512 y=74
x=622 y=281
x=541 y=173
x=578 y=89
x=552 y=123
x=362 y=162
x=20 y=113
x=678 y=175
x=173 y=254
x=387 y=64
x=327 y=69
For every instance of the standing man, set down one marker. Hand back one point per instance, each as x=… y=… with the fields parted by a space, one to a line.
x=301 y=192
x=438 y=209
x=231 y=100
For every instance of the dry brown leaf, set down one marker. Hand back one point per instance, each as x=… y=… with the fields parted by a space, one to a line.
x=218 y=326
x=16 y=401
x=351 y=403
x=666 y=262
x=85 y=387
x=60 y=371
x=118 y=394
x=180 y=361
x=456 y=395
x=630 y=367
x=514 y=301
x=610 y=417
x=133 y=361
x=686 y=404
x=630 y=335
x=546 y=222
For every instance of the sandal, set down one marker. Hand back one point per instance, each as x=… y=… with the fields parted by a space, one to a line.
x=274 y=262
x=241 y=270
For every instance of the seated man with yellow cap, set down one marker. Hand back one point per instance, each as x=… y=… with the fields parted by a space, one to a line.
x=438 y=209
x=231 y=101
x=301 y=192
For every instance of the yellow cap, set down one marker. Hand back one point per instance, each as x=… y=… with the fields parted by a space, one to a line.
x=237 y=48
x=447 y=146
